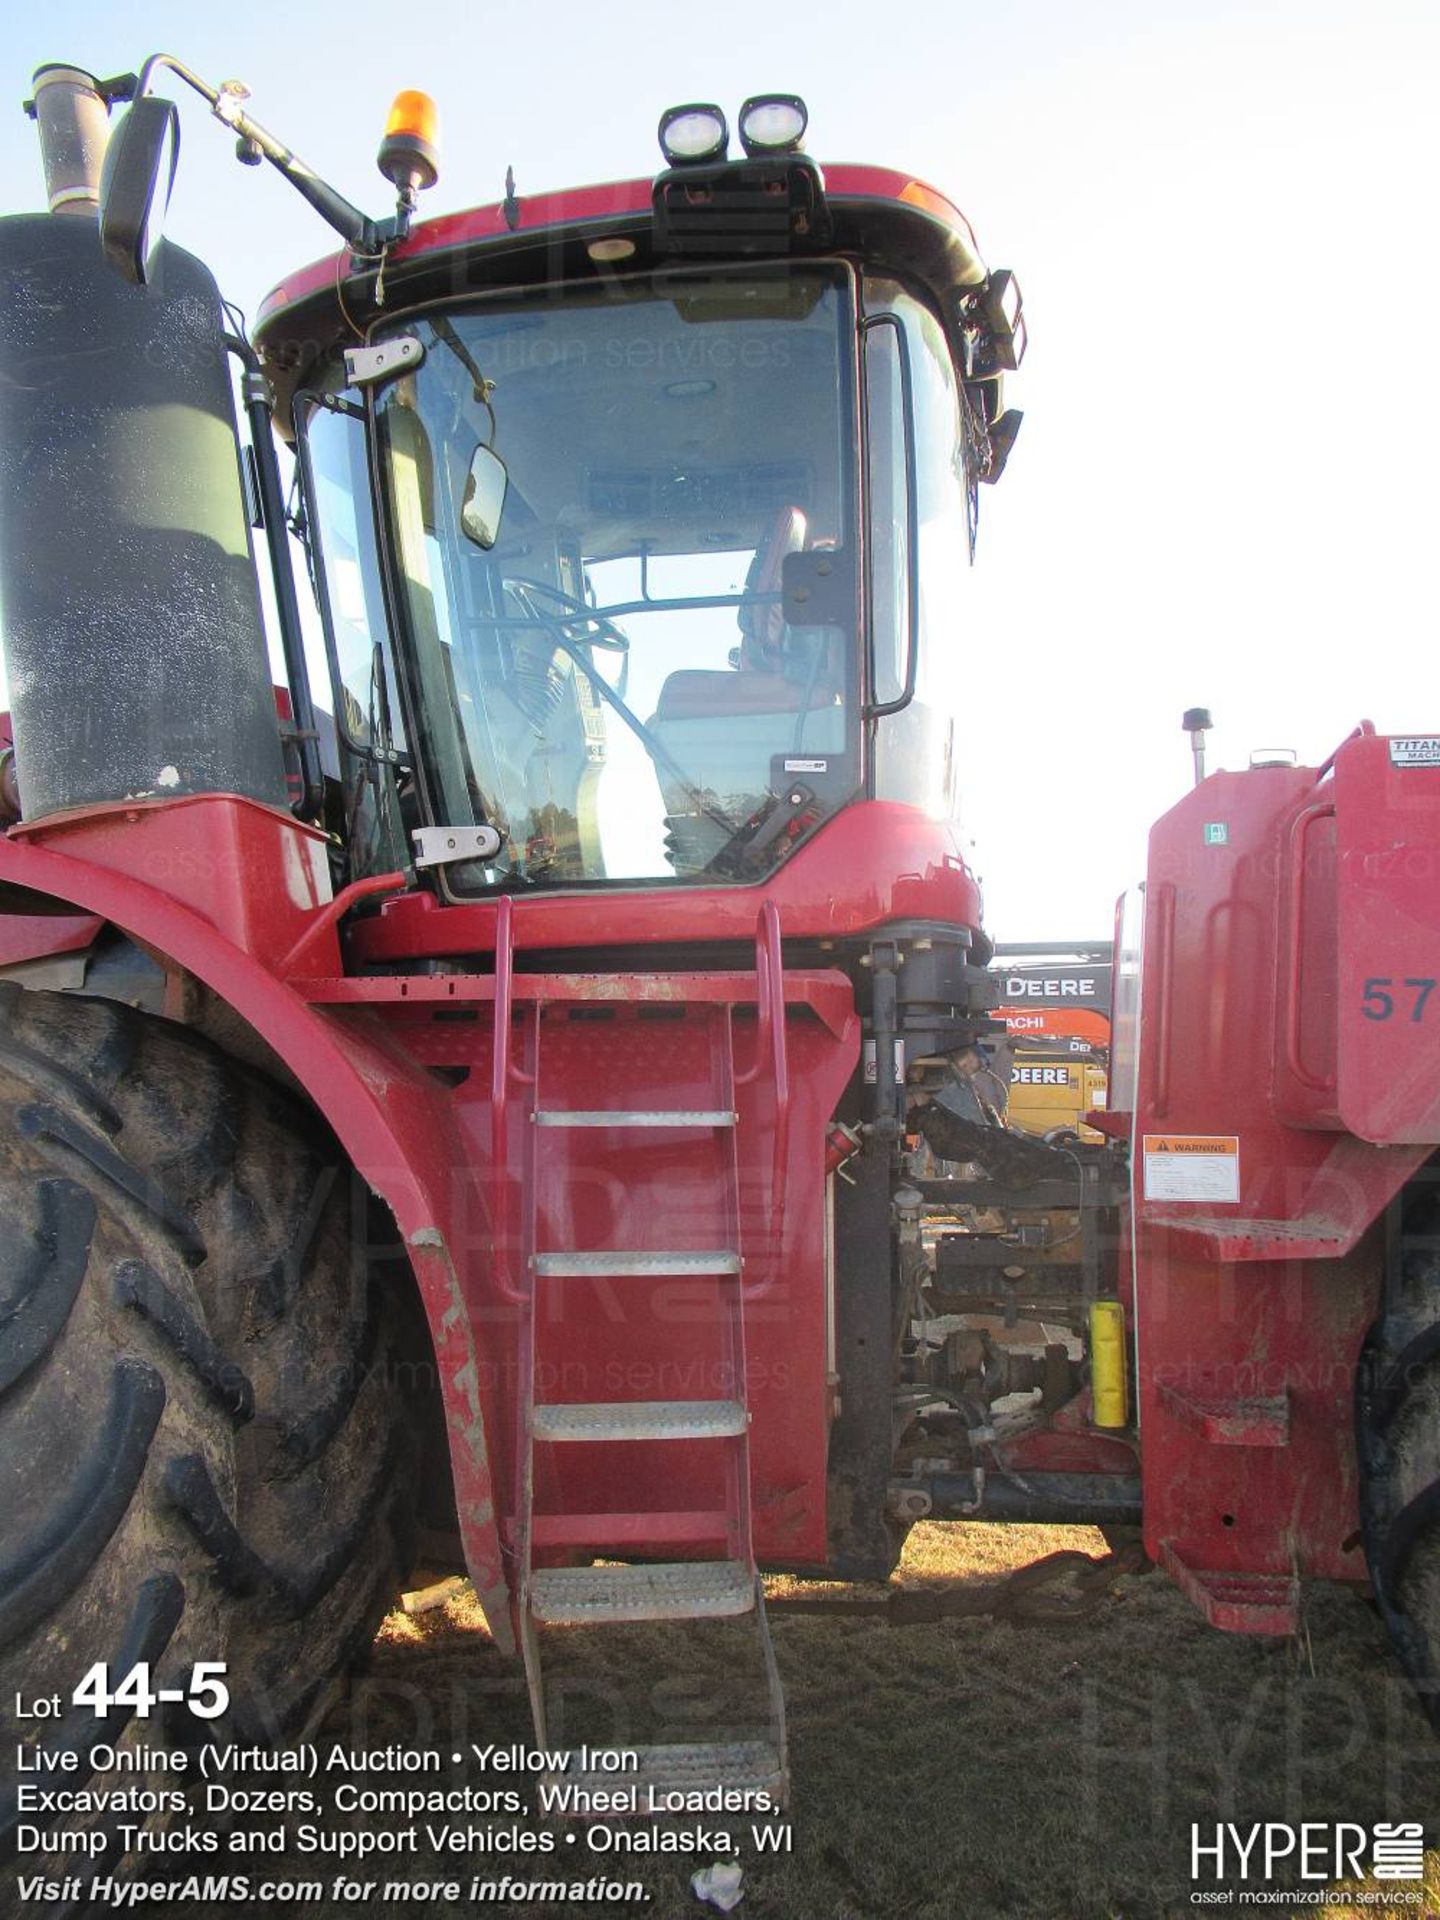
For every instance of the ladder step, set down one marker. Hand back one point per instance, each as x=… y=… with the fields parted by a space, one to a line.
x=752 y=1764
x=639 y=1420
x=1237 y=1602
x=1232 y=1421
x=698 y=1117
x=619 y=1264
x=684 y=1590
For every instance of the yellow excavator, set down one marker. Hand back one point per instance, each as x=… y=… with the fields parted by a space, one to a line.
x=1055 y=1003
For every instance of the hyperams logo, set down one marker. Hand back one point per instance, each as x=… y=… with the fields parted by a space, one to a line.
x=1314 y=1851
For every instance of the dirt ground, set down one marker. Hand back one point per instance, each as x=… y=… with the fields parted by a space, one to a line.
x=968 y=1768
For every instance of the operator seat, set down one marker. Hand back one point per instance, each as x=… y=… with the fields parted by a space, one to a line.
x=727 y=726
x=771 y=671
x=755 y=684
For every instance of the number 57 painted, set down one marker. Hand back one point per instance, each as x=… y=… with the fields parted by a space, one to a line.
x=1378 y=999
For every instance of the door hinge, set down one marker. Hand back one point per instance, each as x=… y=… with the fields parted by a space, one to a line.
x=445 y=846
x=364 y=366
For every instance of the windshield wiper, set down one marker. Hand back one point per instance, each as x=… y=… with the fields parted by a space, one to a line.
x=744 y=855
x=657 y=751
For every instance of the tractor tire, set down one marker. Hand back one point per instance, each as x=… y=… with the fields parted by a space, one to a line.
x=1398 y=1441
x=204 y=1452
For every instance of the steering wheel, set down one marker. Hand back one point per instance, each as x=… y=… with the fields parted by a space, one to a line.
x=605 y=635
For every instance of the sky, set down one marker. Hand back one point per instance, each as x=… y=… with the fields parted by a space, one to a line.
x=1225 y=492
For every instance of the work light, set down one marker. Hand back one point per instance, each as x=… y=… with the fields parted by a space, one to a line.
x=773 y=123
x=1004 y=312
x=693 y=134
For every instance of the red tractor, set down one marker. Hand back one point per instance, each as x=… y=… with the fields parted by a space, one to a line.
x=1275 y=1073
x=490 y=1119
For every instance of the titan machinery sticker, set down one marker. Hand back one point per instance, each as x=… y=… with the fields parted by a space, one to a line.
x=1415 y=750
x=1192 y=1166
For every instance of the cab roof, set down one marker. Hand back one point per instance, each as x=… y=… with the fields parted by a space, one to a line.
x=886 y=219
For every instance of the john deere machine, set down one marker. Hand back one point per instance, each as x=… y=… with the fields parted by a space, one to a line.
x=491 y=1113
x=1055 y=1005
x=1031 y=1231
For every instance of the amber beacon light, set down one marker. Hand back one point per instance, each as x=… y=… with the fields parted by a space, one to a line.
x=409 y=155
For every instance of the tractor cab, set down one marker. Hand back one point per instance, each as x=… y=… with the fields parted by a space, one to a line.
x=641 y=516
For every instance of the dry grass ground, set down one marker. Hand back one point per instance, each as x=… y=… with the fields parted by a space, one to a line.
x=969 y=1768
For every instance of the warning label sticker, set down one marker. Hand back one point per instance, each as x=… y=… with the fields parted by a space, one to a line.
x=1415 y=750
x=1192 y=1166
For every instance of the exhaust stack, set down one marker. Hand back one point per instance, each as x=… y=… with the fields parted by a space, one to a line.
x=129 y=610
x=72 y=117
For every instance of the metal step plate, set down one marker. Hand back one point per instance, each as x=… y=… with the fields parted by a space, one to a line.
x=696 y=1117
x=618 y=1265
x=640 y=1420
x=685 y=1590
x=659 y=1771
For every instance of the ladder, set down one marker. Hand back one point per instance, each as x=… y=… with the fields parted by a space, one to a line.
x=727 y=1584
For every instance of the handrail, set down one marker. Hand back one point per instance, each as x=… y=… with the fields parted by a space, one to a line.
x=1295 y=925
x=334 y=911
x=502 y=1071
x=769 y=916
x=771 y=1039
x=1164 y=971
x=504 y=1002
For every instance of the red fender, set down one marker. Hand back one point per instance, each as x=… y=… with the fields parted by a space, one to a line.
x=382 y=1107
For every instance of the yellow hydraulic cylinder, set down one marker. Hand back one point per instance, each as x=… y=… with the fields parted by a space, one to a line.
x=1109 y=1390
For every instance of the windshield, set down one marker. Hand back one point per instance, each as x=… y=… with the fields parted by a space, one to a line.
x=632 y=650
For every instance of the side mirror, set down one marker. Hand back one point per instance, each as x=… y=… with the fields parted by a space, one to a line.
x=484 y=501
x=135 y=185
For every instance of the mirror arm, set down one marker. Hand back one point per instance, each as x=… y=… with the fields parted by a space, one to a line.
x=362 y=234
